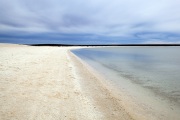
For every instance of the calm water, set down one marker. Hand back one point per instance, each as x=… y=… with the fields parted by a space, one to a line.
x=154 y=68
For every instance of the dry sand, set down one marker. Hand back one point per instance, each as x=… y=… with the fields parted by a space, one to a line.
x=49 y=83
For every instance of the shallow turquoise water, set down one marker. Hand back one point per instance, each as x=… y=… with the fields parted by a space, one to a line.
x=153 y=68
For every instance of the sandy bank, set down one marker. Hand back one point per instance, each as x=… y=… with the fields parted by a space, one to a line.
x=50 y=83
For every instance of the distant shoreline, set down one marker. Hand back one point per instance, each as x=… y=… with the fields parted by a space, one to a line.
x=89 y=45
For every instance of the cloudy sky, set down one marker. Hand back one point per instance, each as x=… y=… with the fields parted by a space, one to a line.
x=90 y=21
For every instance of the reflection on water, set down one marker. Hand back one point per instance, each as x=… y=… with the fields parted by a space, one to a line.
x=154 y=68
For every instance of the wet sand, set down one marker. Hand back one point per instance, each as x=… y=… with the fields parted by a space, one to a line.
x=49 y=83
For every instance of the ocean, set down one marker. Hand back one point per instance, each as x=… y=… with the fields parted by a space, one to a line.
x=144 y=72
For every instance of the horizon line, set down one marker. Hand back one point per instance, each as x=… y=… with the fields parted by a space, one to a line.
x=103 y=44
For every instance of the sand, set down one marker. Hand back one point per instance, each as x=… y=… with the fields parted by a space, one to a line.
x=50 y=83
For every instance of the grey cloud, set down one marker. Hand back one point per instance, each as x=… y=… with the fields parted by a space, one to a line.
x=98 y=17
x=74 y=20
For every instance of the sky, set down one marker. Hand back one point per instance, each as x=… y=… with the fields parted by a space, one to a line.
x=89 y=21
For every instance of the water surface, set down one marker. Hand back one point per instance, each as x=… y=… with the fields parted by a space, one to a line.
x=153 y=68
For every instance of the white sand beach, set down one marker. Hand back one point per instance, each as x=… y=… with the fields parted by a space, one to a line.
x=50 y=83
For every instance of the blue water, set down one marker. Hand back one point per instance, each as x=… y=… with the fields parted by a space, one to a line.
x=154 y=68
